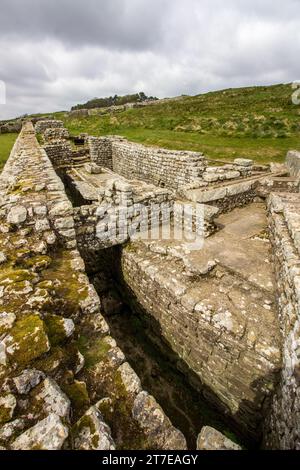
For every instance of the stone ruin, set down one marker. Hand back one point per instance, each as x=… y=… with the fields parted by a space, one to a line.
x=224 y=317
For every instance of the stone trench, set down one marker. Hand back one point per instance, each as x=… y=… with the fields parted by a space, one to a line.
x=124 y=278
x=156 y=364
x=124 y=343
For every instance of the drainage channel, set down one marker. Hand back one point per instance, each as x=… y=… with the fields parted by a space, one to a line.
x=156 y=365
x=147 y=355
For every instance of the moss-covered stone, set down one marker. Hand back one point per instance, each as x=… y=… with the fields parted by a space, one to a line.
x=57 y=329
x=22 y=186
x=125 y=431
x=78 y=394
x=93 y=350
x=10 y=276
x=38 y=263
x=27 y=340
x=22 y=254
x=19 y=288
x=68 y=287
x=7 y=320
x=91 y=432
x=45 y=285
x=7 y=406
x=52 y=361
x=85 y=423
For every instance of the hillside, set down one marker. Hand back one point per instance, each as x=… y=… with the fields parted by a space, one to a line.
x=258 y=122
x=113 y=101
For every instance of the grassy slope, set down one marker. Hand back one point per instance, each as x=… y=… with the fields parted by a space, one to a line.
x=258 y=122
x=6 y=143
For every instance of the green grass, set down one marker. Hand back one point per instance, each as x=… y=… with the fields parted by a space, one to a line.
x=261 y=123
x=6 y=144
x=256 y=122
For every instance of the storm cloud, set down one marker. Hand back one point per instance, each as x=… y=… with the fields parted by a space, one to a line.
x=54 y=54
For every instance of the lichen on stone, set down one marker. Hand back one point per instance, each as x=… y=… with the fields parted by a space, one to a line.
x=78 y=394
x=27 y=340
x=58 y=328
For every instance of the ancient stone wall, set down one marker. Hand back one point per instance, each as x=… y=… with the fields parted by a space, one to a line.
x=64 y=382
x=10 y=126
x=101 y=151
x=282 y=430
x=58 y=145
x=42 y=126
x=158 y=166
x=119 y=213
x=293 y=162
x=164 y=168
x=175 y=169
x=62 y=376
x=225 y=197
x=205 y=319
x=59 y=153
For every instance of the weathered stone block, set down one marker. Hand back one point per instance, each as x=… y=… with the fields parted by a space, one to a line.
x=211 y=439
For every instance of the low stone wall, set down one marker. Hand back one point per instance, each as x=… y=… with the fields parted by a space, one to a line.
x=282 y=429
x=62 y=376
x=157 y=166
x=59 y=153
x=225 y=197
x=58 y=146
x=293 y=162
x=11 y=126
x=221 y=349
x=172 y=169
x=118 y=213
x=42 y=126
x=100 y=151
x=55 y=134
x=62 y=155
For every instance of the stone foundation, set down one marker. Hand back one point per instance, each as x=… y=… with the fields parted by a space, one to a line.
x=232 y=325
x=157 y=166
x=210 y=321
x=64 y=383
x=283 y=429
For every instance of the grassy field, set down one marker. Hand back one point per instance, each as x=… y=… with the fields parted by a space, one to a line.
x=256 y=122
x=6 y=144
x=261 y=123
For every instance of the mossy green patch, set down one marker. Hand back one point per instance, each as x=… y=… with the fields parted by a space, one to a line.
x=45 y=285
x=93 y=349
x=125 y=431
x=22 y=254
x=5 y=414
x=11 y=275
x=18 y=288
x=78 y=394
x=22 y=186
x=51 y=361
x=70 y=290
x=38 y=263
x=55 y=329
x=86 y=423
x=27 y=340
x=39 y=138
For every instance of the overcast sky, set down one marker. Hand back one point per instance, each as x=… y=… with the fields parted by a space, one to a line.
x=56 y=53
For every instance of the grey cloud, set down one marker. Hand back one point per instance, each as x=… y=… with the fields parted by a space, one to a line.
x=122 y=24
x=54 y=54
